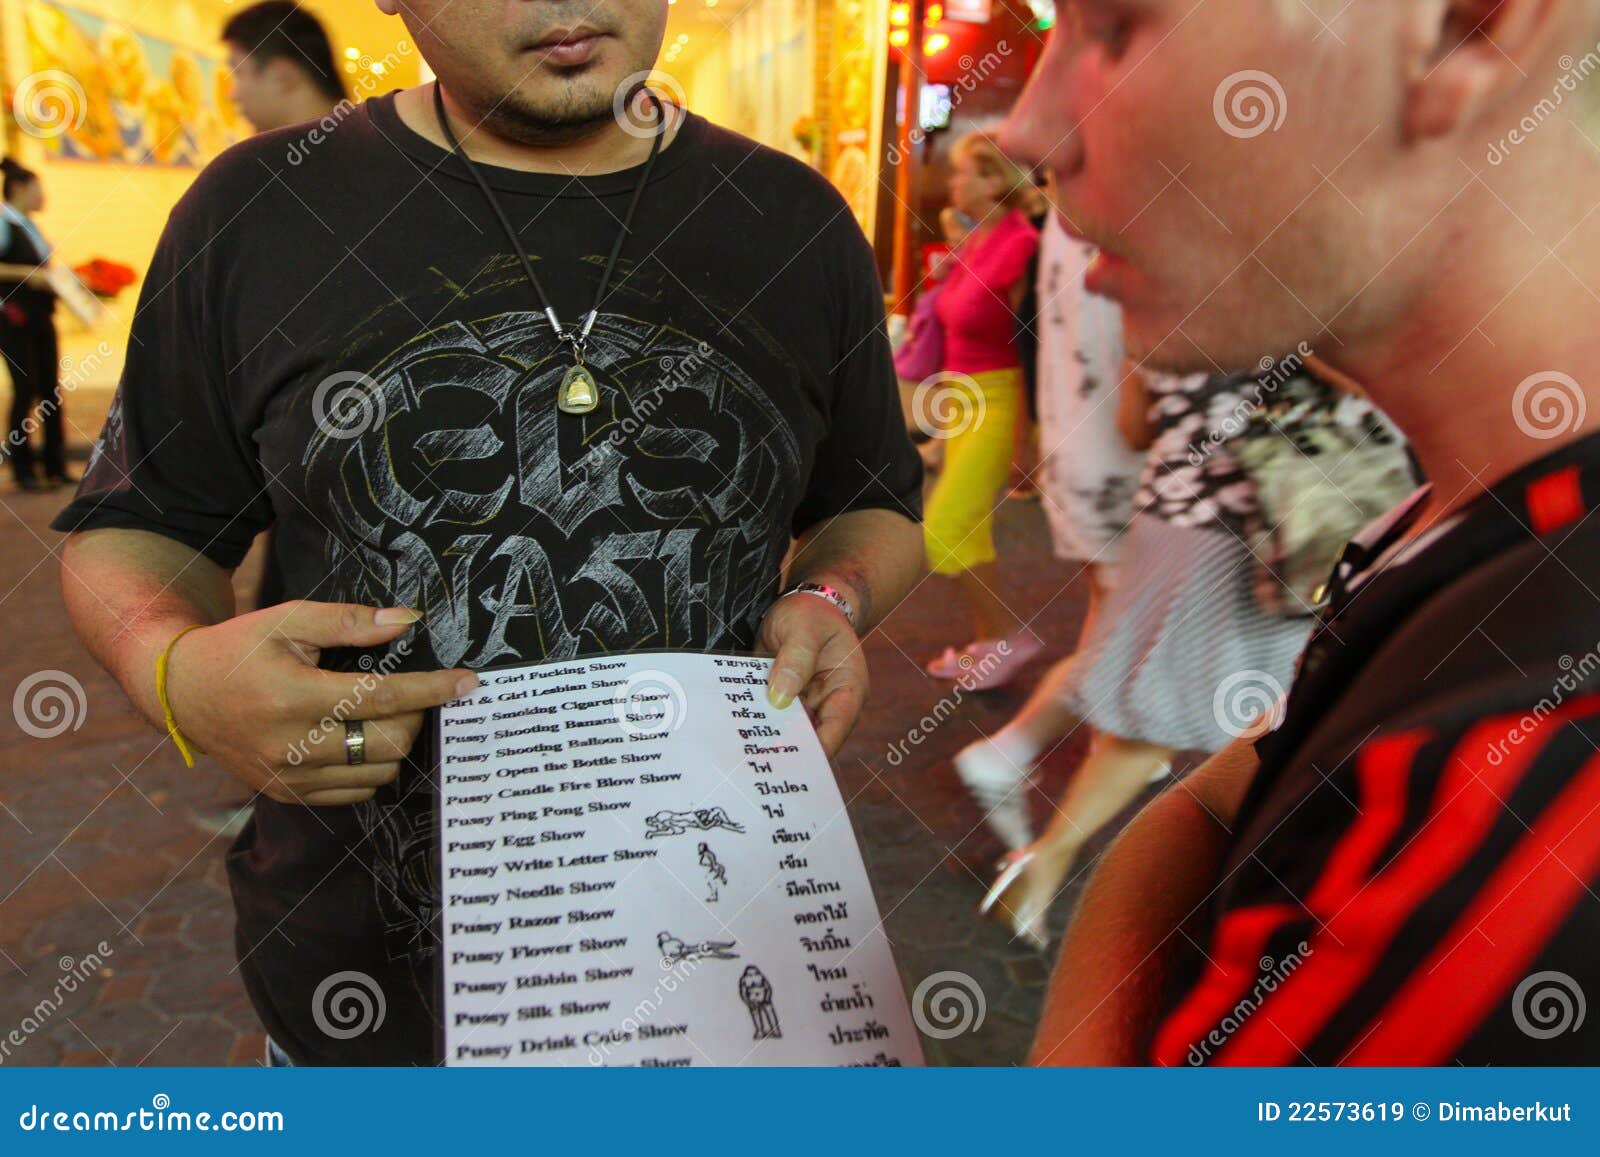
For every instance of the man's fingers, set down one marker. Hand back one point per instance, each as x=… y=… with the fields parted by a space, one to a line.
x=791 y=671
x=836 y=717
x=326 y=785
x=340 y=624
x=352 y=695
x=339 y=796
x=820 y=687
x=387 y=739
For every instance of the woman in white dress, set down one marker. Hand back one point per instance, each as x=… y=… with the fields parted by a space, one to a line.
x=1182 y=623
x=1087 y=480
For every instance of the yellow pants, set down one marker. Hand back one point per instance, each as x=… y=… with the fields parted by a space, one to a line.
x=958 y=525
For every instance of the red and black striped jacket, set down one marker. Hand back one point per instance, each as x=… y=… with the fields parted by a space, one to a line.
x=1415 y=874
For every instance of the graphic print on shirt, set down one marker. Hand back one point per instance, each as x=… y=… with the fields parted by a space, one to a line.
x=531 y=508
x=455 y=486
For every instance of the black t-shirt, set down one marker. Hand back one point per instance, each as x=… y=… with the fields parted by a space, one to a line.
x=336 y=339
x=1414 y=874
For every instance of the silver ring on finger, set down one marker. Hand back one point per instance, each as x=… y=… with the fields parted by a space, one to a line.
x=355 y=742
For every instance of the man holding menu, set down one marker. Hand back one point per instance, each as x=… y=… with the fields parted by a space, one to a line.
x=523 y=366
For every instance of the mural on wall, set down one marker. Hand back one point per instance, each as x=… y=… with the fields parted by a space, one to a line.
x=100 y=91
x=855 y=79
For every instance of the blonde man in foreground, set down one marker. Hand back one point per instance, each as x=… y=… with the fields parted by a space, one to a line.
x=1404 y=870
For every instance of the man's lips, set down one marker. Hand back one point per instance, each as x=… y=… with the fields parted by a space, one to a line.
x=568 y=46
x=1108 y=269
x=1106 y=275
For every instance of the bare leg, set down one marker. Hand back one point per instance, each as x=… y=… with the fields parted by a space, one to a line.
x=1044 y=720
x=995 y=769
x=993 y=620
x=1114 y=773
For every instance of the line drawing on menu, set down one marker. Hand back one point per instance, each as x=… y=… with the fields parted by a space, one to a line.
x=756 y=992
x=716 y=871
x=671 y=823
x=675 y=951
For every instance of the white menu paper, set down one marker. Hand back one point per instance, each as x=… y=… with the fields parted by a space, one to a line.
x=645 y=863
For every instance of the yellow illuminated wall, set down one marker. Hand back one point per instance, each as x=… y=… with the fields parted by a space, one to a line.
x=755 y=75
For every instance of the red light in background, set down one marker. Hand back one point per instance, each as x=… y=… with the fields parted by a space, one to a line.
x=935 y=44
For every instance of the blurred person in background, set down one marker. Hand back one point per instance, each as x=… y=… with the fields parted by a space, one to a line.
x=919 y=356
x=284 y=73
x=1180 y=621
x=1025 y=463
x=282 y=65
x=978 y=402
x=1088 y=477
x=954 y=227
x=28 y=332
x=1404 y=868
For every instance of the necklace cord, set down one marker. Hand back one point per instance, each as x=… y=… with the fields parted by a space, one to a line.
x=516 y=240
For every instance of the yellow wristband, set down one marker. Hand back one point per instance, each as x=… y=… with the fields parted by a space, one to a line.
x=166 y=707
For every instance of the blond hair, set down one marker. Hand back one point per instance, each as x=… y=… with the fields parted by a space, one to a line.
x=984 y=152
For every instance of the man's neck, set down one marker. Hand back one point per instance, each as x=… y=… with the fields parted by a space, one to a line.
x=608 y=150
x=307 y=104
x=1504 y=307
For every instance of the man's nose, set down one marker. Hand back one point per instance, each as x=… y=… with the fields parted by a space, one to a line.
x=1043 y=128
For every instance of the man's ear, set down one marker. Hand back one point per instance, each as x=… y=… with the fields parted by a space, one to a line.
x=1462 y=55
x=281 y=74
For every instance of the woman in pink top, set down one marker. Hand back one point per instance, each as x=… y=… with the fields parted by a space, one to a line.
x=973 y=404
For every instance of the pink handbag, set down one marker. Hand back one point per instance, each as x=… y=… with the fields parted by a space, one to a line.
x=921 y=355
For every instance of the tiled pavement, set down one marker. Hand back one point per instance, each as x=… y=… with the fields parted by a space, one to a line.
x=103 y=835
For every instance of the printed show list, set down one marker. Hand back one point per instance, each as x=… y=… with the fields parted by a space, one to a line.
x=645 y=863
